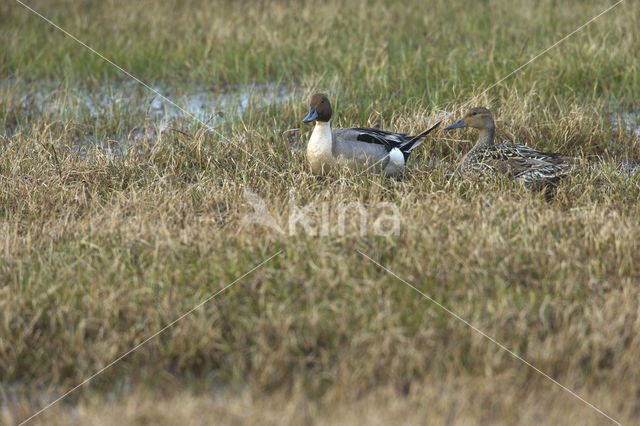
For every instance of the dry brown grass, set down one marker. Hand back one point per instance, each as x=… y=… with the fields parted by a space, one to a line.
x=503 y=400
x=100 y=251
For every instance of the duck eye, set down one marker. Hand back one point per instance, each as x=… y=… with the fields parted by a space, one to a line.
x=473 y=113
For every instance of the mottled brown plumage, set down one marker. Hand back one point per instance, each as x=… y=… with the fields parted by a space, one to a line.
x=534 y=167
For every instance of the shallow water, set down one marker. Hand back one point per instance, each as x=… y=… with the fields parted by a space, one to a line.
x=49 y=98
x=134 y=111
x=625 y=121
x=136 y=114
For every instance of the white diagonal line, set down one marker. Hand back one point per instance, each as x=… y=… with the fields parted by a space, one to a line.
x=128 y=74
x=172 y=323
x=522 y=66
x=485 y=335
x=550 y=47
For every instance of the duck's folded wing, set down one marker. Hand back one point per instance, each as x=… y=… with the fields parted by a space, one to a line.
x=531 y=164
x=354 y=144
x=535 y=156
x=400 y=137
x=547 y=174
x=377 y=136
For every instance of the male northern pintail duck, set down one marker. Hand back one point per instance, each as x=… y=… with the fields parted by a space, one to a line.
x=355 y=147
x=535 y=168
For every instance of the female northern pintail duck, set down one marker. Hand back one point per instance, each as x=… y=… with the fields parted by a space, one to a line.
x=355 y=147
x=535 y=168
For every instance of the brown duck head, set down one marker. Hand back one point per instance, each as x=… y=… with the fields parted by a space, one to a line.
x=477 y=118
x=319 y=109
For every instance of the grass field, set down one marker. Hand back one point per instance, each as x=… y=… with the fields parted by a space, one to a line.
x=118 y=214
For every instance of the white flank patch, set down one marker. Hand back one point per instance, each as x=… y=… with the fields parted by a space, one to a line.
x=396 y=163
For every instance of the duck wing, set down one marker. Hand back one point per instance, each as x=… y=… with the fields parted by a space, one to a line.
x=532 y=155
x=361 y=145
x=391 y=140
x=526 y=163
x=388 y=139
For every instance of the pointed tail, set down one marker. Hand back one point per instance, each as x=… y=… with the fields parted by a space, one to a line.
x=415 y=141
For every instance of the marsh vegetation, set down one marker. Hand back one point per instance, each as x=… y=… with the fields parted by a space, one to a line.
x=119 y=213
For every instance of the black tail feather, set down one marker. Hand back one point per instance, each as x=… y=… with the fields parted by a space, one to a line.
x=415 y=141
